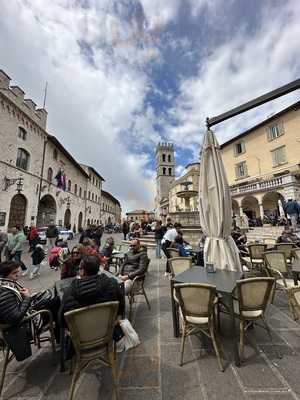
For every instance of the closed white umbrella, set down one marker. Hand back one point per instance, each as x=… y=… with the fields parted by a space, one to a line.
x=281 y=210
x=215 y=208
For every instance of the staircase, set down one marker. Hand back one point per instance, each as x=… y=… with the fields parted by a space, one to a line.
x=145 y=240
x=264 y=233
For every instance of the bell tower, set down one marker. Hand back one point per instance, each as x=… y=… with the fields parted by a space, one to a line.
x=165 y=172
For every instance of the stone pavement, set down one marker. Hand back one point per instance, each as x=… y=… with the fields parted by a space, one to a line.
x=151 y=371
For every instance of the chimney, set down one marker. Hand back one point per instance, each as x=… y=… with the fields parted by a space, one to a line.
x=42 y=114
x=31 y=104
x=18 y=92
x=4 y=80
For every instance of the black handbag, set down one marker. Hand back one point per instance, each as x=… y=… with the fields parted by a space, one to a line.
x=18 y=340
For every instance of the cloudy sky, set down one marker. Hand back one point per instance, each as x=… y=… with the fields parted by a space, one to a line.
x=125 y=74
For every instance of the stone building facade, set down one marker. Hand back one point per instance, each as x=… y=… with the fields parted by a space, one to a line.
x=111 y=209
x=262 y=166
x=40 y=180
x=140 y=216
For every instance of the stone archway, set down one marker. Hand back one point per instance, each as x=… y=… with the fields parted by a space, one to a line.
x=250 y=207
x=46 y=211
x=80 y=217
x=67 y=218
x=17 y=212
x=270 y=203
x=235 y=207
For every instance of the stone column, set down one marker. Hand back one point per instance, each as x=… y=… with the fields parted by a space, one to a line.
x=261 y=211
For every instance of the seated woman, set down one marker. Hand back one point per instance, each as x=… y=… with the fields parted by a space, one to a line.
x=16 y=301
x=179 y=245
x=108 y=248
x=70 y=266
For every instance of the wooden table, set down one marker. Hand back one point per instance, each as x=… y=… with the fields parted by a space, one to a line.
x=296 y=270
x=225 y=282
x=60 y=288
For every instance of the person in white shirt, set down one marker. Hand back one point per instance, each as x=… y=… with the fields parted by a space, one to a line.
x=167 y=239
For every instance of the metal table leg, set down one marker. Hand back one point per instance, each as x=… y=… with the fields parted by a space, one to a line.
x=175 y=314
x=62 y=349
x=233 y=332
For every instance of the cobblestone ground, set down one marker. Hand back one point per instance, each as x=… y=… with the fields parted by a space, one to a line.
x=151 y=371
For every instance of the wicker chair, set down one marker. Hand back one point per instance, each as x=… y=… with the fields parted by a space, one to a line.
x=252 y=299
x=287 y=249
x=173 y=252
x=137 y=290
x=295 y=301
x=197 y=303
x=38 y=331
x=277 y=268
x=179 y=264
x=91 y=331
x=296 y=253
x=255 y=258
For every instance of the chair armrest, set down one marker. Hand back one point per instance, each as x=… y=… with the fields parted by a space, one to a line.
x=138 y=277
x=35 y=313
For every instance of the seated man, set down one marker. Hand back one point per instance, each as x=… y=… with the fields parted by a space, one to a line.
x=92 y=288
x=136 y=263
x=288 y=236
x=179 y=245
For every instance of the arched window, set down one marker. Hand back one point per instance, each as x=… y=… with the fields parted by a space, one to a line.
x=96 y=198
x=169 y=158
x=23 y=158
x=170 y=171
x=22 y=134
x=164 y=157
x=164 y=171
x=92 y=196
x=69 y=185
x=89 y=195
x=54 y=154
x=80 y=192
x=50 y=175
x=75 y=188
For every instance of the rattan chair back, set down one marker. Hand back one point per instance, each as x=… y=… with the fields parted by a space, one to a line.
x=195 y=299
x=179 y=264
x=286 y=248
x=256 y=250
x=276 y=260
x=92 y=326
x=173 y=252
x=253 y=293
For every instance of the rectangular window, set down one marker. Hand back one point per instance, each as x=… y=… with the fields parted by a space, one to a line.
x=241 y=170
x=278 y=156
x=275 y=130
x=239 y=148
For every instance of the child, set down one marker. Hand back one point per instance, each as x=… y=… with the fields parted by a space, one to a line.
x=37 y=256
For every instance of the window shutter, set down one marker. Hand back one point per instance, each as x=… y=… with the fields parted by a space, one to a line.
x=281 y=128
x=237 y=171
x=274 y=158
x=269 y=134
x=245 y=169
x=234 y=150
x=243 y=147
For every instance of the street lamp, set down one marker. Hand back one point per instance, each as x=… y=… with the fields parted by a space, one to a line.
x=11 y=181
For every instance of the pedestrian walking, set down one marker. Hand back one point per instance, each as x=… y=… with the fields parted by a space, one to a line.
x=37 y=256
x=3 y=241
x=158 y=234
x=51 y=234
x=125 y=229
x=292 y=209
x=15 y=247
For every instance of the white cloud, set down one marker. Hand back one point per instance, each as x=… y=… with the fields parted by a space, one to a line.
x=238 y=70
x=90 y=104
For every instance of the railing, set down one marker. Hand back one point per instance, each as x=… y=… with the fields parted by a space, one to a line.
x=267 y=184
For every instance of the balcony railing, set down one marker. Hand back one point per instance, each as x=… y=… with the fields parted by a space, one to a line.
x=263 y=185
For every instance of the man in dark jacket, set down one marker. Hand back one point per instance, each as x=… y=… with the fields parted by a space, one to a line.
x=136 y=263
x=292 y=209
x=51 y=234
x=92 y=288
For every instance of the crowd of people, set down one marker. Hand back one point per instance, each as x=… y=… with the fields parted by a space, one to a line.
x=84 y=263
